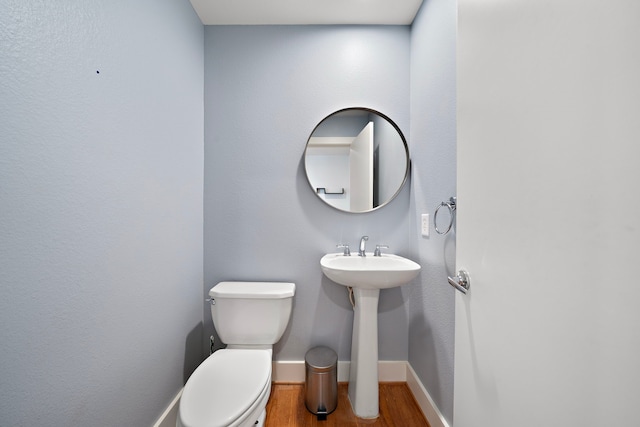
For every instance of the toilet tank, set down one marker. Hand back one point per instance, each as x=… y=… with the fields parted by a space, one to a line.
x=251 y=313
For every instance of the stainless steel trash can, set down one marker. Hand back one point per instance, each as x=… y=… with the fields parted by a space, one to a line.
x=321 y=381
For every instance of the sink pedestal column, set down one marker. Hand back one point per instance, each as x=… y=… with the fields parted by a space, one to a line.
x=363 y=372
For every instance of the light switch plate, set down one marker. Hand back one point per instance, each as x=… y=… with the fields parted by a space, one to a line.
x=425 y=225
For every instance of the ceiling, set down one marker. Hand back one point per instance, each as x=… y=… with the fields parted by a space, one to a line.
x=306 y=12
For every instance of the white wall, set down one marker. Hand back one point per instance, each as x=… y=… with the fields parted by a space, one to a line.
x=548 y=117
x=266 y=88
x=432 y=145
x=328 y=168
x=101 y=176
x=390 y=176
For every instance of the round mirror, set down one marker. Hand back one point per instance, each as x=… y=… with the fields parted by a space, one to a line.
x=357 y=160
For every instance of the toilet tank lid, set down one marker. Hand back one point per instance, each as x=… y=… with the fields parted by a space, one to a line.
x=262 y=290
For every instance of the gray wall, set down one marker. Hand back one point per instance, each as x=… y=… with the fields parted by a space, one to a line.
x=100 y=209
x=433 y=142
x=101 y=183
x=265 y=90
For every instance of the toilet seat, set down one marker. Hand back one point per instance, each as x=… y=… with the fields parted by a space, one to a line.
x=226 y=388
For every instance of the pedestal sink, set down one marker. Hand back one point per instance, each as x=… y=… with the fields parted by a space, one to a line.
x=366 y=275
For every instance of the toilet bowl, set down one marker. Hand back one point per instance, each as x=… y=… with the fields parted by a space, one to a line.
x=231 y=387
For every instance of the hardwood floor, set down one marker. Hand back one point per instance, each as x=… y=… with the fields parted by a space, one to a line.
x=398 y=408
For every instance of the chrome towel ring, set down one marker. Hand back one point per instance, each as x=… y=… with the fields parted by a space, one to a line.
x=451 y=206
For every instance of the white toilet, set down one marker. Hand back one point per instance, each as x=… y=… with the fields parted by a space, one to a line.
x=232 y=386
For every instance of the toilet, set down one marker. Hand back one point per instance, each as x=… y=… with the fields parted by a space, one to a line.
x=232 y=386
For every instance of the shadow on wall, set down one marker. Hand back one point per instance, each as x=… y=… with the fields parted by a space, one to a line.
x=449 y=252
x=428 y=342
x=192 y=351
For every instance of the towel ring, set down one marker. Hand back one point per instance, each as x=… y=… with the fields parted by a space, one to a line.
x=451 y=206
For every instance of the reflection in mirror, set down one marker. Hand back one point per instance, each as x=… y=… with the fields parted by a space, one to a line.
x=356 y=160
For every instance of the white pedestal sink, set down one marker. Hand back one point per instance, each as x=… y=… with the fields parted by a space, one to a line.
x=366 y=275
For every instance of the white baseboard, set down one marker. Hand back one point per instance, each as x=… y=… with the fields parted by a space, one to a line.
x=170 y=415
x=294 y=372
x=426 y=403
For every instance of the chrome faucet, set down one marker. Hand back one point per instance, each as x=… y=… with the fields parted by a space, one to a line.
x=346 y=252
x=363 y=243
x=377 y=252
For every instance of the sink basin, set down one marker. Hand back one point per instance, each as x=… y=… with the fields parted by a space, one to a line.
x=370 y=272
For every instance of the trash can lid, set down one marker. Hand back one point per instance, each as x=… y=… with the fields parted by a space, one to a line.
x=321 y=358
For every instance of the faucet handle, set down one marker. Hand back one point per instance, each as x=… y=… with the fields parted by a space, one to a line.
x=347 y=252
x=378 y=247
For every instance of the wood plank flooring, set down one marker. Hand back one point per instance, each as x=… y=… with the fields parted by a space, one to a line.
x=398 y=408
